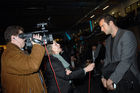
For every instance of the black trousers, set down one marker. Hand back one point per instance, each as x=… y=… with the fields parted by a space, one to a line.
x=129 y=84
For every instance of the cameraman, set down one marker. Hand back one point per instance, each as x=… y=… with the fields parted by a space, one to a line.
x=20 y=71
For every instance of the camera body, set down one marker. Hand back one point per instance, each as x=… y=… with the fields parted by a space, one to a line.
x=46 y=38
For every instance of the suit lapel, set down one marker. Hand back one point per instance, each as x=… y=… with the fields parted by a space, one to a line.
x=108 y=48
x=115 y=43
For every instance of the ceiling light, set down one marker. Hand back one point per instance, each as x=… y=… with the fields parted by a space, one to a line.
x=113 y=13
x=92 y=16
x=34 y=8
x=105 y=7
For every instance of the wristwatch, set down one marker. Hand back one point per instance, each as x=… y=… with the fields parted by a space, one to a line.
x=114 y=85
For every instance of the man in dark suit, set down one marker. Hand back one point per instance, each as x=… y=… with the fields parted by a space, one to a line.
x=120 y=72
x=92 y=55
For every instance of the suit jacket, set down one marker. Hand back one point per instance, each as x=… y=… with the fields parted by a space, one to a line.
x=124 y=52
x=19 y=73
x=61 y=77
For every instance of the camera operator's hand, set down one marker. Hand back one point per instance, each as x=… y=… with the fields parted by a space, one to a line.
x=36 y=36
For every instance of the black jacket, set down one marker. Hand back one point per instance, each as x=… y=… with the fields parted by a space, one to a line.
x=62 y=78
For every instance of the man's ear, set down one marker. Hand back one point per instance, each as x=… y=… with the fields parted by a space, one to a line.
x=13 y=37
x=111 y=22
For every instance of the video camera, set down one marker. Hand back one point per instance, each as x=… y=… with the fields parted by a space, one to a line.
x=46 y=38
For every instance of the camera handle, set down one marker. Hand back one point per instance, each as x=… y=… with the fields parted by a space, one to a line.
x=37 y=41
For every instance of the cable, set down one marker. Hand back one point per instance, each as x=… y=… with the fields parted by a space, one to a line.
x=52 y=68
x=89 y=82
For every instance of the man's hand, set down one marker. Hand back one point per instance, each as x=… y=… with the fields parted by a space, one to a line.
x=36 y=36
x=104 y=81
x=109 y=84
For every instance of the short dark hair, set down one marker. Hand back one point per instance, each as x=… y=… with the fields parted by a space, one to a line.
x=49 y=48
x=108 y=18
x=12 y=30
